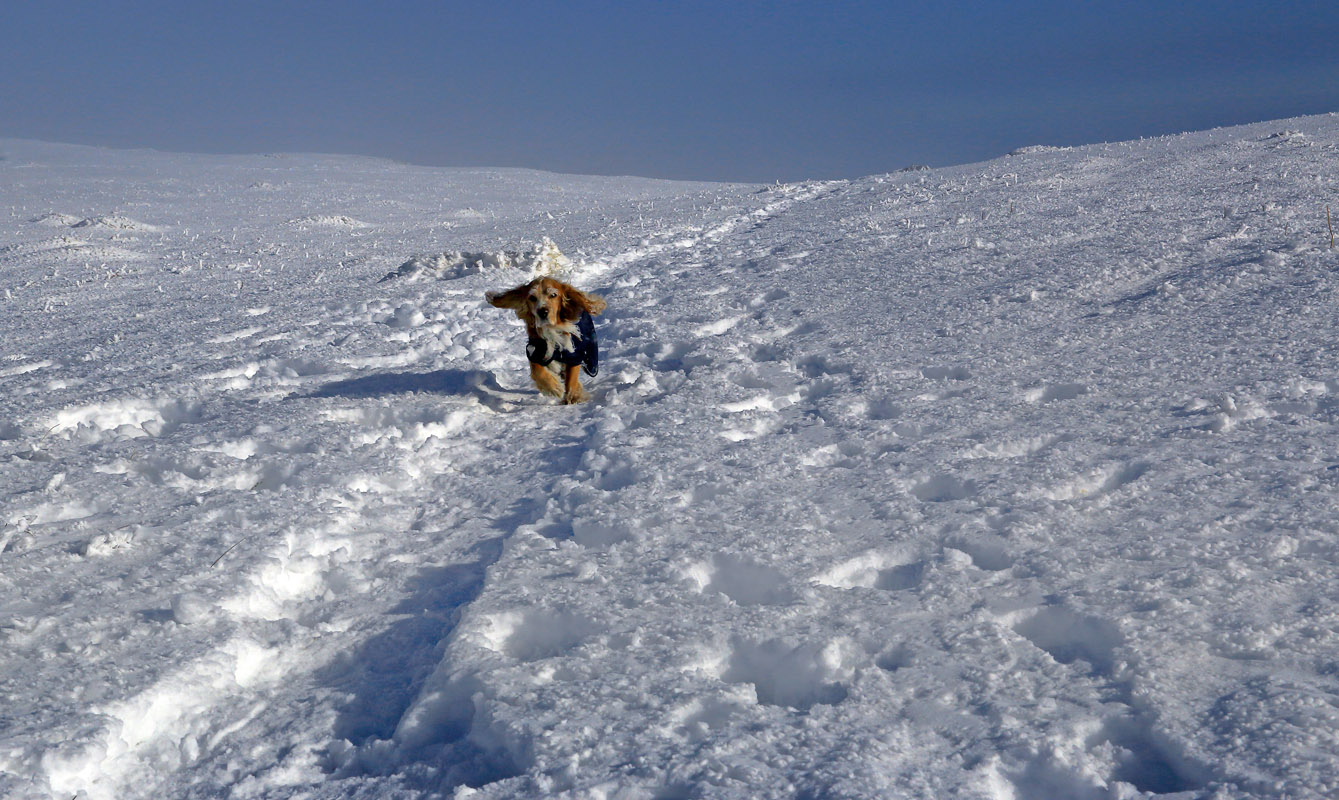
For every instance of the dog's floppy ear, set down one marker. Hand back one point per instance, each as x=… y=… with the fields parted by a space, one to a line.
x=576 y=301
x=512 y=298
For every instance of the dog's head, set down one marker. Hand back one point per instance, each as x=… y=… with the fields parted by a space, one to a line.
x=546 y=302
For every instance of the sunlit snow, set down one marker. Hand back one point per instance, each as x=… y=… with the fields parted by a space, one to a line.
x=1014 y=480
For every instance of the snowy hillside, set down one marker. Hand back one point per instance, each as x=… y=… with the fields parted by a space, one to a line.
x=1012 y=480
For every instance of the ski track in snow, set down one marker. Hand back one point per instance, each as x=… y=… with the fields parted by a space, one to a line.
x=1010 y=480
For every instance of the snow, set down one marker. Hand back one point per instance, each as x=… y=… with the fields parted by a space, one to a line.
x=1009 y=480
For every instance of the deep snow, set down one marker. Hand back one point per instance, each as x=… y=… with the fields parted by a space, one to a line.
x=1010 y=480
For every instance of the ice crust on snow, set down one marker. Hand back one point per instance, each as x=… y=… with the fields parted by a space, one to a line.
x=1009 y=480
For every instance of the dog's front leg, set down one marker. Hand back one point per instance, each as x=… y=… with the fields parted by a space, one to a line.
x=574 y=392
x=546 y=381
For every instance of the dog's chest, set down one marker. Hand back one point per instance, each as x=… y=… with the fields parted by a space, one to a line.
x=557 y=339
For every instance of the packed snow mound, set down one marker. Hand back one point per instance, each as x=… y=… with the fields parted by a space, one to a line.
x=115 y=222
x=542 y=259
x=328 y=221
x=56 y=220
x=107 y=222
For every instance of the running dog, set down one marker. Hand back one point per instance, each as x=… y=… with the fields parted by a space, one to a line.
x=561 y=334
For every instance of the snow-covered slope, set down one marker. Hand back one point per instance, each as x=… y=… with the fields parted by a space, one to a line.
x=1012 y=480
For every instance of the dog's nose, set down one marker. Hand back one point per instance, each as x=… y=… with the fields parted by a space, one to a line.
x=543 y=313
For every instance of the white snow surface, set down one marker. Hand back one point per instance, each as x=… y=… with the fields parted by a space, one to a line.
x=1014 y=480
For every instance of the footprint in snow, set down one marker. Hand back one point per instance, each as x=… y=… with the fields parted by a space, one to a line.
x=744 y=582
x=535 y=634
x=944 y=488
x=1125 y=742
x=793 y=675
x=985 y=555
x=889 y=571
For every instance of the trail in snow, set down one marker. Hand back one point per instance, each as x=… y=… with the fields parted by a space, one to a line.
x=1010 y=480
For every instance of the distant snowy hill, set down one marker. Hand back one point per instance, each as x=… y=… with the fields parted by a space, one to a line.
x=1012 y=480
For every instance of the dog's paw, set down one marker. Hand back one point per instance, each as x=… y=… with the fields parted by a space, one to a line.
x=546 y=381
x=578 y=395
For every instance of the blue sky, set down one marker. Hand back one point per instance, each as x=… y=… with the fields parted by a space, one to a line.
x=723 y=90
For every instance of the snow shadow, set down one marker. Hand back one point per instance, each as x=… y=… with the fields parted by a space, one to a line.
x=476 y=383
x=383 y=677
x=386 y=677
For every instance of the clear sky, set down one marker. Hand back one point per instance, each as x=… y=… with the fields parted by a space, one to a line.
x=722 y=90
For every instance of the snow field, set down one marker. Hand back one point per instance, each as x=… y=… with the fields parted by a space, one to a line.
x=1010 y=480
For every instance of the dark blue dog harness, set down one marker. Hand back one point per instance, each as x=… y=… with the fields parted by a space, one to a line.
x=585 y=349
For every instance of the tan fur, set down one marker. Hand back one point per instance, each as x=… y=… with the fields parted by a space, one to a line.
x=550 y=310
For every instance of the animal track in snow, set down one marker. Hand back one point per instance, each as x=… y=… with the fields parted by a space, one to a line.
x=535 y=634
x=1068 y=636
x=895 y=658
x=716 y=327
x=674 y=357
x=616 y=476
x=698 y=718
x=744 y=582
x=797 y=676
x=768 y=297
x=778 y=389
x=988 y=556
x=878 y=408
x=943 y=489
x=1145 y=760
x=598 y=535
x=767 y=352
x=889 y=571
x=1124 y=748
x=771 y=377
x=843 y=455
x=818 y=366
x=1096 y=483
